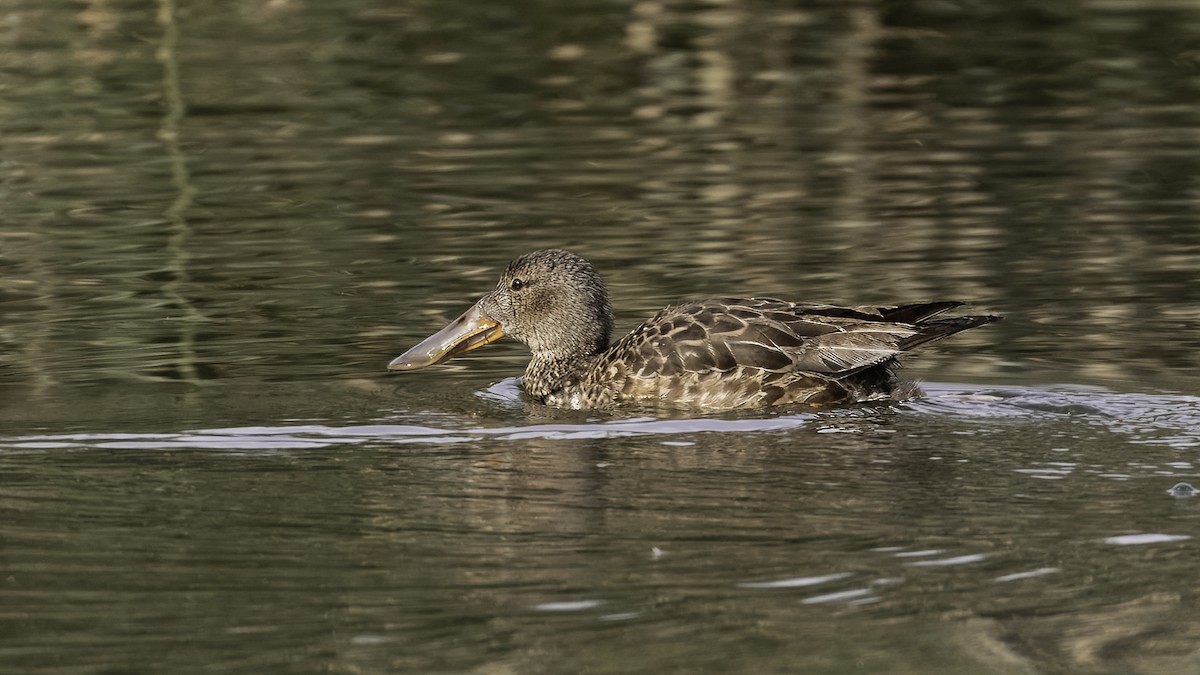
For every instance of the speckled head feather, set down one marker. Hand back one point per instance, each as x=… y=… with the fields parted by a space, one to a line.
x=718 y=353
x=554 y=302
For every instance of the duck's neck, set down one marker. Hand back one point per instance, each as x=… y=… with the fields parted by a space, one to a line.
x=550 y=373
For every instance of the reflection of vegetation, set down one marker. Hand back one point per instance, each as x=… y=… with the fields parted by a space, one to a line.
x=177 y=250
x=1042 y=160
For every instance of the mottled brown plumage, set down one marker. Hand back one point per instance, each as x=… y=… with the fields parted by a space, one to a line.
x=717 y=353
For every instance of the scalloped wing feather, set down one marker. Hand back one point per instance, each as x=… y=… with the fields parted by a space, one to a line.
x=773 y=335
x=729 y=352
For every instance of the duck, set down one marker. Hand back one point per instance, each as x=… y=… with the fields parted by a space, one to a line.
x=716 y=353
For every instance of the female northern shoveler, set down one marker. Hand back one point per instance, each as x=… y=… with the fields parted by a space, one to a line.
x=719 y=353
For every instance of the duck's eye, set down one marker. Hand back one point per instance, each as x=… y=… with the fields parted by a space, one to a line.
x=517 y=284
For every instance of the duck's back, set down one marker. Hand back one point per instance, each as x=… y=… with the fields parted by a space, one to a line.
x=739 y=352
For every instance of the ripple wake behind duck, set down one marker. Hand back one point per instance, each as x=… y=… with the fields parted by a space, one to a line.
x=716 y=353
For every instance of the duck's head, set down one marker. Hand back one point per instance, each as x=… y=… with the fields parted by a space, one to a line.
x=551 y=300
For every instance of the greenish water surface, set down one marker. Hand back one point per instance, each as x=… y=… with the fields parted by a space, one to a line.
x=219 y=221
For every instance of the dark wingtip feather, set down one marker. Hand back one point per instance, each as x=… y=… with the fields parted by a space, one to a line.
x=917 y=312
x=940 y=328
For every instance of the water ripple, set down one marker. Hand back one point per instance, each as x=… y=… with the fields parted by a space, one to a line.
x=315 y=435
x=1147 y=538
x=1160 y=419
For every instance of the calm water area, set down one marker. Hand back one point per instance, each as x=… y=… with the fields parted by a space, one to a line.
x=220 y=220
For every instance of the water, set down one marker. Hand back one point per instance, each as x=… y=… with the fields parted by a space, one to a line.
x=219 y=221
x=982 y=530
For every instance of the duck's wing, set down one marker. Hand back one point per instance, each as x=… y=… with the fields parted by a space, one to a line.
x=725 y=334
